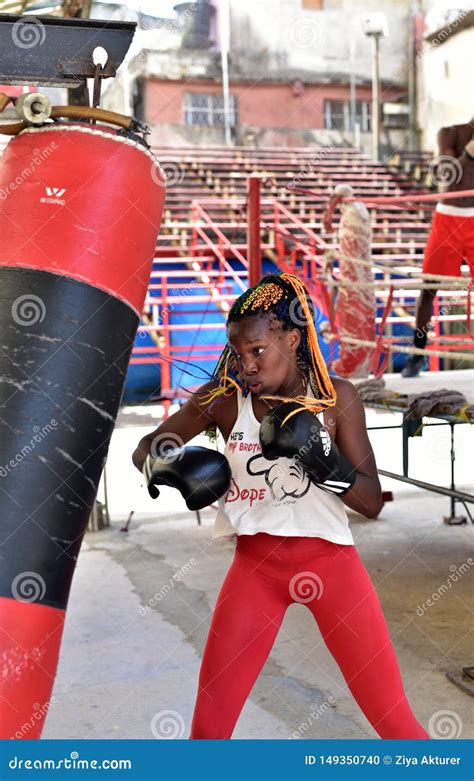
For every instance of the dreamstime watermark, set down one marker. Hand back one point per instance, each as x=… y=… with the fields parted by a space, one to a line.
x=319 y=434
x=28 y=587
x=170 y=308
x=316 y=712
x=305 y=33
x=439 y=448
x=184 y=18
x=306 y=169
x=28 y=309
x=445 y=725
x=180 y=25
x=38 y=436
x=167 y=446
x=445 y=309
x=297 y=314
x=447 y=30
x=39 y=713
x=171 y=171
x=161 y=35
x=168 y=587
x=72 y=762
x=39 y=156
x=445 y=170
x=306 y=586
x=28 y=32
x=167 y=725
x=456 y=573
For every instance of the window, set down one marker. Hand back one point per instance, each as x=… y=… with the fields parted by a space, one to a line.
x=208 y=109
x=363 y=115
x=337 y=115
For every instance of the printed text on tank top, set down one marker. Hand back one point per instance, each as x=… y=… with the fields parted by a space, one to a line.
x=275 y=497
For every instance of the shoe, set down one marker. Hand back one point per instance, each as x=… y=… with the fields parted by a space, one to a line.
x=413 y=366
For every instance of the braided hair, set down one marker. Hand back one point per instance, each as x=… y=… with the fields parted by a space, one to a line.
x=284 y=296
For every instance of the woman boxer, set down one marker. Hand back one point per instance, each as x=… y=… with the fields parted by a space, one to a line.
x=290 y=481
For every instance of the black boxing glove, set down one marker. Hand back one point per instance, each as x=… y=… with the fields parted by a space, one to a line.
x=201 y=475
x=303 y=438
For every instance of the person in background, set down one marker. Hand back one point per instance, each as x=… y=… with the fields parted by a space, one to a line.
x=451 y=239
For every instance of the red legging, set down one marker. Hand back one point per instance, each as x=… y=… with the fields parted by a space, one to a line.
x=269 y=573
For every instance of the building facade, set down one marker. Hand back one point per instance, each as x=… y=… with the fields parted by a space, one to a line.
x=446 y=76
x=299 y=73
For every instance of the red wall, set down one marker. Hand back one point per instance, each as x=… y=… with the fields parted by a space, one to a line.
x=260 y=105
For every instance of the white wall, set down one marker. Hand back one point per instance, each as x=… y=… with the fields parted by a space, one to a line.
x=446 y=85
x=319 y=41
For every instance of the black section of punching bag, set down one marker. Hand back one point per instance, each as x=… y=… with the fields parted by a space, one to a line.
x=64 y=351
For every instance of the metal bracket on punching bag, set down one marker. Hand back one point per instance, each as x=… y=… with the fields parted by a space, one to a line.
x=58 y=52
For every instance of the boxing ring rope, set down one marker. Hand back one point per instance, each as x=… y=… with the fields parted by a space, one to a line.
x=423 y=281
x=338 y=282
x=407 y=350
x=391 y=200
x=318 y=268
x=386 y=266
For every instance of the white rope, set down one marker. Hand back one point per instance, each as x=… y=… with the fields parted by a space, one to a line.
x=386 y=266
x=396 y=348
x=408 y=284
x=332 y=255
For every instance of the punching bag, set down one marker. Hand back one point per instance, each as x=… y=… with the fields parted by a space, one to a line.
x=80 y=209
x=355 y=307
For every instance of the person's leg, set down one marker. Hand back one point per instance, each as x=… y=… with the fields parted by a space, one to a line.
x=443 y=256
x=248 y=614
x=351 y=621
x=424 y=312
x=468 y=243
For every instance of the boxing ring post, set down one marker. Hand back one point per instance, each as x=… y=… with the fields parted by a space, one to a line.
x=356 y=307
x=254 y=250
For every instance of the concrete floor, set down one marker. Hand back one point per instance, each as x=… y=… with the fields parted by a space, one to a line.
x=129 y=670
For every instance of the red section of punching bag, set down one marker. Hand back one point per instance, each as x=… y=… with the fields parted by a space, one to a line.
x=355 y=306
x=30 y=637
x=82 y=202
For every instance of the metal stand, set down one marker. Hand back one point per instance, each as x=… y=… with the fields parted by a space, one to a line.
x=452 y=519
x=414 y=428
x=63 y=56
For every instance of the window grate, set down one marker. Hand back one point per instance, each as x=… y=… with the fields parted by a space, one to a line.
x=208 y=109
x=337 y=115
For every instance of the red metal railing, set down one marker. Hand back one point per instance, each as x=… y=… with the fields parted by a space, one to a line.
x=215 y=257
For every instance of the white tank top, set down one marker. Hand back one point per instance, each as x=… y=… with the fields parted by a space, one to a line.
x=275 y=497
